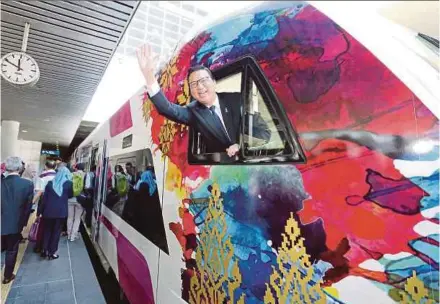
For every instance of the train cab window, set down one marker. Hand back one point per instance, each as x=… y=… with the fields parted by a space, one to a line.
x=266 y=134
x=255 y=147
x=231 y=83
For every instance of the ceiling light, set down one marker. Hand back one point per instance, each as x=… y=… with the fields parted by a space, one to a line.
x=24 y=131
x=47 y=119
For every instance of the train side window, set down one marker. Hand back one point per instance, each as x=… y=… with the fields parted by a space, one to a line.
x=260 y=112
x=133 y=195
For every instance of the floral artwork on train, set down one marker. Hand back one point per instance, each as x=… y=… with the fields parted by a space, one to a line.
x=360 y=216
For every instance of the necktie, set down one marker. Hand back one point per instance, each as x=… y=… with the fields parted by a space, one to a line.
x=218 y=121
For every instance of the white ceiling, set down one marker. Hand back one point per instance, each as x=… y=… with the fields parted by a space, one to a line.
x=72 y=42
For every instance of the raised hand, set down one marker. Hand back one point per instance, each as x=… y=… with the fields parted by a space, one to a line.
x=147 y=61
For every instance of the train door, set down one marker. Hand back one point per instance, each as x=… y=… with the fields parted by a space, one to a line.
x=93 y=157
x=131 y=211
x=99 y=187
x=90 y=165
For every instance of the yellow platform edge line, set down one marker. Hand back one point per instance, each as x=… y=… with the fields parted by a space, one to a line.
x=21 y=250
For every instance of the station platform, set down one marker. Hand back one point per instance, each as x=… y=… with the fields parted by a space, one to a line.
x=69 y=279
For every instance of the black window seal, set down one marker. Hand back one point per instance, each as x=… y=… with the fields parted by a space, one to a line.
x=428 y=39
x=254 y=72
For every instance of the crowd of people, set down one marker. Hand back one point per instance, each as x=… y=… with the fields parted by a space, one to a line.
x=59 y=195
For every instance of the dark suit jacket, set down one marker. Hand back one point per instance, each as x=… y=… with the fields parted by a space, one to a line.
x=55 y=206
x=17 y=195
x=199 y=117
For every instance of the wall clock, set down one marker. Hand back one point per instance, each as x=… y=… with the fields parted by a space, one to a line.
x=19 y=68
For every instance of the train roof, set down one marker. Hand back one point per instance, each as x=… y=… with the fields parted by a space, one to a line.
x=410 y=57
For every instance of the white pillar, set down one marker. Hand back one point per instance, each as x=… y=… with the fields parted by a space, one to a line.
x=9 y=136
x=29 y=151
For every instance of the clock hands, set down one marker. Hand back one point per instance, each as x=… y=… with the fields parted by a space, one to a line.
x=17 y=66
x=11 y=63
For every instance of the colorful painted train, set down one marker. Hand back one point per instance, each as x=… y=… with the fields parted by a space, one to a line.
x=340 y=206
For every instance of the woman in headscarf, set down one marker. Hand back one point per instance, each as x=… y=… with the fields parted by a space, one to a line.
x=54 y=210
x=148 y=212
x=149 y=178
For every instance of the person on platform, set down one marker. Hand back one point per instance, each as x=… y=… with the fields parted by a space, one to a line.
x=45 y=177
x=75 y=208
x=54 y=210
x=16 y=195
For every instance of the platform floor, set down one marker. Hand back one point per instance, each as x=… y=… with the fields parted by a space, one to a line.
x=70 y=279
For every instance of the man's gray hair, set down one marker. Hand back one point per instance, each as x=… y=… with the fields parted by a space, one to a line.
x=13 y=164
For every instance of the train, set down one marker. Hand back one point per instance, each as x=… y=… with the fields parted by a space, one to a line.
x=341 y=205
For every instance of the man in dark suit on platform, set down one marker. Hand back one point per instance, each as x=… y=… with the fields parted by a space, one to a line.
x=17 y=195
x=217 y=116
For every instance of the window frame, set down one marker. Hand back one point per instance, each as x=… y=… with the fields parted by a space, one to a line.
x=250 y=70
x=429 y=40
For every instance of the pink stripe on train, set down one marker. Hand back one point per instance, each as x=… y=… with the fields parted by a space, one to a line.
x=121 y=120
x=134 y=273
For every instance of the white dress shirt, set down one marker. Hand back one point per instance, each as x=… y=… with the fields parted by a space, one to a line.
x=155 y=88
x=42 y=182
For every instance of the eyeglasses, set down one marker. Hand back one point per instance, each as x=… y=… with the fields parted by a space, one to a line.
x=203 y=81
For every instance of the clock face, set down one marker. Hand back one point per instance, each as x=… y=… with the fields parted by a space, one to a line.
x=19 y=68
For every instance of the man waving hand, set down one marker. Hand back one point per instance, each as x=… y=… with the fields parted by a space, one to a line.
x=217 y=116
